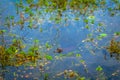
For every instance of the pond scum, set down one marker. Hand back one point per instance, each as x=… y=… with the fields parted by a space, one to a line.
x=14 y=54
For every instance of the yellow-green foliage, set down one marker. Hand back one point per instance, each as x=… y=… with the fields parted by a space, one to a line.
x=114 y=46
x=2 y=52
x=11 y=57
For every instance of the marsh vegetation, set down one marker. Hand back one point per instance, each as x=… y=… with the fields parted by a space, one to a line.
x=59 y=40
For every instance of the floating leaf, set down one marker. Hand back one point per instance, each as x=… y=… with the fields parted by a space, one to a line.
x=14 y=40
x=78 y=55
x=92 y=21
x=30 y=53
x=46 y=76
x=86 y=21
x=77 y=18
x=47 y=45
x=12 y=35
x=29 y=1
x=81 y=78
x=91 y=17
x=27 y=9
x=87 y=26
x=41 y=30
x=99 y=68
x=30 y=24
x=82 y=61
x=22 y=52
x=103 y=34
x=36 y=48
x=100 y=24
x=112 y=13
x=11 y=17
x=36 y=41
x=48 y=57
x=31 y=13
x=117 y=33
x=70 y=54
x=2 y=31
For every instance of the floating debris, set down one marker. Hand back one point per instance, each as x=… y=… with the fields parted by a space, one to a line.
x=68 y=74
x=31 y=67
x=116 y=73
x=58 y=50
x=26 y=76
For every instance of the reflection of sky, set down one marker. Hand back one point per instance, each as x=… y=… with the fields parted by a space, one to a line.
x=70 y=37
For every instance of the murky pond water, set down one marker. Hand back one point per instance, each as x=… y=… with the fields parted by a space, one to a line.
x=81 y=55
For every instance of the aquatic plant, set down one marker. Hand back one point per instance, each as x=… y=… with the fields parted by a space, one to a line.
x=48 y=57
x=101 y=36
x=30 y=12
x=2 y=52
x=46 y=76
x=117 y=33
x=99 y=68
x=2 y=32
x=71 y=74
x=84 y=65
x=100 y=73
x=81 y=78
x=15 y=56
x=82 y=7
x=2 y=35
x=48 y=46
x=114 y=47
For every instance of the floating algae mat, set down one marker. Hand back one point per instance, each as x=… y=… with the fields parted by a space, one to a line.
x=59 y=40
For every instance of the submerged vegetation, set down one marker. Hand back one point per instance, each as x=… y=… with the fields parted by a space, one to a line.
x=16 y=51
x=12 y=56
x=33 y=12
x=114 y=49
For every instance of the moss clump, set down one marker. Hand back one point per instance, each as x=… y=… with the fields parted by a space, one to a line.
x=114 y=47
